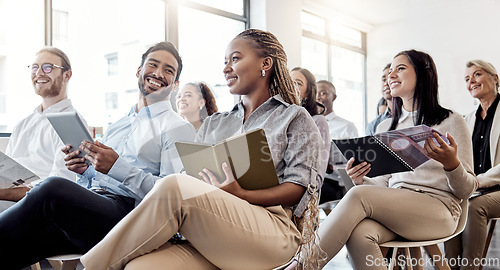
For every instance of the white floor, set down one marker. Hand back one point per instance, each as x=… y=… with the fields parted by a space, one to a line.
x=339 y=262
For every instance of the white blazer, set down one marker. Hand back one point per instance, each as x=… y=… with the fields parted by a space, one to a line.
x=492 y=176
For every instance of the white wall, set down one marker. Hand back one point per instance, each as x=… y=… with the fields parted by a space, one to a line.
x=452 y=32
x=452 y=35
x=282 y=18
x=21 y=35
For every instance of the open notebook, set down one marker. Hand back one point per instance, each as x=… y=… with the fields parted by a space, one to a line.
x=389 y=152
x=13 y=174
x=247 y=154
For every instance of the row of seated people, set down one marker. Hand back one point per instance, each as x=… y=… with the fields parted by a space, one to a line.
x=125 y=205
x=482 y=83
x=481 y=80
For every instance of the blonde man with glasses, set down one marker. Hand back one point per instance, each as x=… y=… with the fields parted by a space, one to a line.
x=33 y=142
x=62 y=217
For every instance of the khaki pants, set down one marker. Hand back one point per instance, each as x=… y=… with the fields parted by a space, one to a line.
x=470 y=244
x=369 y=215
x=223 y=231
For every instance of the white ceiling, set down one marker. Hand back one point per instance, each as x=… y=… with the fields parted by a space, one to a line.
x=376 y=12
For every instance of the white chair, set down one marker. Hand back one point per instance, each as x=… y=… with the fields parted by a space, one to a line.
x=412 y=248
x=61 y=262
x=281 y=267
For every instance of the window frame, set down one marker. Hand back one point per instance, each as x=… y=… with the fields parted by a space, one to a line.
x=171 y=19
x=172 y=22
x=330 y=41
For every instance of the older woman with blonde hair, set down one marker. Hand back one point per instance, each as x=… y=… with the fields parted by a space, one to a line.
x=481 y=79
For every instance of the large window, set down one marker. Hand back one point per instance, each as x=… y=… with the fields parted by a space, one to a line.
x=104 y=40
x=21 y=35
x=202 y=44
x=335 y=52
x=105 y=45
x=315 y=57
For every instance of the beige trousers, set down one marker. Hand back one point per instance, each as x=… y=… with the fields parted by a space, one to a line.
x=368 y=216
x=470 y=244
x=224 y=231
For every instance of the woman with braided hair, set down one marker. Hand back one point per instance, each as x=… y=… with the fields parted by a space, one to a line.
x=226 y=226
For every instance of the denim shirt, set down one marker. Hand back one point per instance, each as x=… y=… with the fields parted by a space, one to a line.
x=144 y=141
x=294 y=140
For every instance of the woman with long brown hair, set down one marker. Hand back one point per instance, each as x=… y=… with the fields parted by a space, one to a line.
x=418 y=205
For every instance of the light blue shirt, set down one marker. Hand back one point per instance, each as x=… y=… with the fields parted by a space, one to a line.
x=144 y=141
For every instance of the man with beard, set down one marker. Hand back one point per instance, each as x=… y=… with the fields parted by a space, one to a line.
x=34 y=143
x=63 y=217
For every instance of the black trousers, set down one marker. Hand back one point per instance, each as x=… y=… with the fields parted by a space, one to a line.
x=331 y=191
x=57 y=217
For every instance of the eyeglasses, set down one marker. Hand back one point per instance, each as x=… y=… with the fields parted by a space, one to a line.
x=47 y=68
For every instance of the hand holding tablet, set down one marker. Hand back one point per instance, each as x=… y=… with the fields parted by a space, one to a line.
x=70 y=129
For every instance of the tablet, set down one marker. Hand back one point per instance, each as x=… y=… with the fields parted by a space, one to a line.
x=346 y=179
x=70 y=129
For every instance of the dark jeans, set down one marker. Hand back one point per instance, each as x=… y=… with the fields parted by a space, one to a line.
x=331 y=191
x=57 y=217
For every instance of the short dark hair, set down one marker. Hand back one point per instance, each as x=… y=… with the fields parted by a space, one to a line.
x=66 y=64
x=329 y=84
x=165 y=46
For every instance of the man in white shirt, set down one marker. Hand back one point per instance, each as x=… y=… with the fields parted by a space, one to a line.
x=34 y=143
x=60 y=216
x=339 y=128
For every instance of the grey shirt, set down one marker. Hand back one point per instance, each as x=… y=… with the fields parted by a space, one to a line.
x=292 y=135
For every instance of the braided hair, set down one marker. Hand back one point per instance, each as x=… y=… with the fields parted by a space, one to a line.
x=267 y=45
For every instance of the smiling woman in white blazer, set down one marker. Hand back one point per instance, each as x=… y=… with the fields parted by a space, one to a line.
x=492 y=176
x=484 y=123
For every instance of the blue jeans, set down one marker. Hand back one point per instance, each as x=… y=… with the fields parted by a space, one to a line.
x=57 y=217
